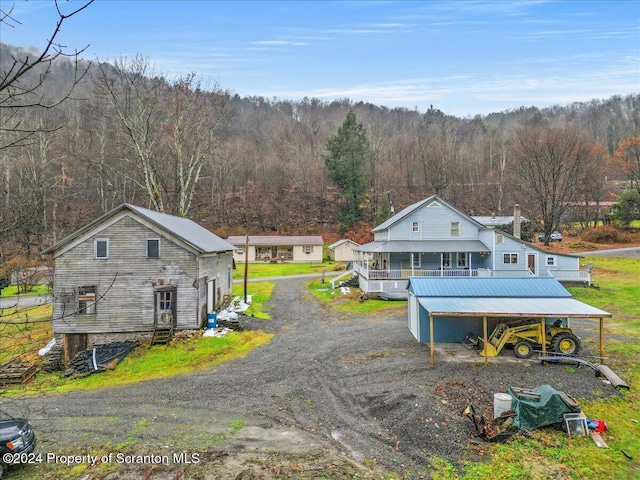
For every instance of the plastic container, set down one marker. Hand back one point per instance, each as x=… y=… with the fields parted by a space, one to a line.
x=212 y=320
x=501 y=404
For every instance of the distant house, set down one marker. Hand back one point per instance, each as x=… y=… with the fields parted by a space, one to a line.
x=278 y=248
x=129 y=270
x=431 y=238
x=342 y=250
x=446 y=310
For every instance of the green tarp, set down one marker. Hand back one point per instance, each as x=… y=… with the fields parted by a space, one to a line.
x=532 y=413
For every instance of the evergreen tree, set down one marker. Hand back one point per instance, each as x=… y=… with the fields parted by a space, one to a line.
x=345 y=163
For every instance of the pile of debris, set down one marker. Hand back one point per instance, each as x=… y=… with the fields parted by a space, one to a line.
x=530 y=409
x=100 y=358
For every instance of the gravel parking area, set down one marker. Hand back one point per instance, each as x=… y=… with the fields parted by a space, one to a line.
x=331 y=394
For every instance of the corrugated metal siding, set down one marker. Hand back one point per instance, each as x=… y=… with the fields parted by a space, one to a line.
x=125 y=292
x=487 y=287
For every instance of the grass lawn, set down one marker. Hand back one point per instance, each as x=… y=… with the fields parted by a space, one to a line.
x=12 y=290
x=260 y=294
x=351 y=302
x=262 y=270
x=553 y=455
x=24 y=331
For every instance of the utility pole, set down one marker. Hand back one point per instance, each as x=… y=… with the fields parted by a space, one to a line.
x=246 y=265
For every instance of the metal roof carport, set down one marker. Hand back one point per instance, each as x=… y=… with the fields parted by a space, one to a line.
x=530 y=297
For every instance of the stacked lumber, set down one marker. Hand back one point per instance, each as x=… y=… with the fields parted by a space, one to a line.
x=15 y=371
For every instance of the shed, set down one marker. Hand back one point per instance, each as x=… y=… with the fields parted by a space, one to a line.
x=342 y=250
x=445 y=310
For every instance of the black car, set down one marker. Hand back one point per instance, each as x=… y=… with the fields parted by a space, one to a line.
x=16 y=437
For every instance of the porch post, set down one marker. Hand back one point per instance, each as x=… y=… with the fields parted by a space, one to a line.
x=601 y=340
x=431 y=342
x=484 y=337
x=412 y=254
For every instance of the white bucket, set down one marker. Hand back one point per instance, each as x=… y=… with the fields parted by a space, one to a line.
x=501 y=404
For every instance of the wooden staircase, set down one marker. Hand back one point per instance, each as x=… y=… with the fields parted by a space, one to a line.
x=162 y=334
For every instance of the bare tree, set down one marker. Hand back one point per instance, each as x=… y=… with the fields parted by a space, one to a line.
x=548 y=164
x=172 y=129
x=21 y=83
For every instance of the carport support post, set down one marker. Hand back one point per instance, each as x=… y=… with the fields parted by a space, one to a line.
x=432 y=343
x=543 y=336
x=484 y=337
x=601 y=340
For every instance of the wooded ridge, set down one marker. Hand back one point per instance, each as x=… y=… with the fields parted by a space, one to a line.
x=251 y=164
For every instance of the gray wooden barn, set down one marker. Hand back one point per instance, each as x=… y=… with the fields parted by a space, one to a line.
x=131 y=270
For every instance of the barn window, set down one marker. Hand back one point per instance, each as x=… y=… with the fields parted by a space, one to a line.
x=87 y=300
x=153 y=248
x=511 y=258
x=101 y=248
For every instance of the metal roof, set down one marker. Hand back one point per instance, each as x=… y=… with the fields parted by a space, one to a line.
x=488 y=287
x=506 y=307
x=493 y=220
x=184 y=229
x=276 y=240
x=340 y=242
x=424 y=246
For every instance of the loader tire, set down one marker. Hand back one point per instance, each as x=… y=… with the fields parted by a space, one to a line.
x=523 y=349
x=566 y=343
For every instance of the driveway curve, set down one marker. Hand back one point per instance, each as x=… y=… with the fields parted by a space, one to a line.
x=358 y=387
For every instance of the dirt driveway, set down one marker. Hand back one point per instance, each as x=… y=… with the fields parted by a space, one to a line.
x=331 y=396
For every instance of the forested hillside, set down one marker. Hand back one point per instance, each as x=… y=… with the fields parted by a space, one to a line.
x=258 y=165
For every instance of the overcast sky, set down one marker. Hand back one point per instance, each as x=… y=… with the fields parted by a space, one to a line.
x=463 y=57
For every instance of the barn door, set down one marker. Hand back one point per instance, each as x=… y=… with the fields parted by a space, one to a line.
x=74 y=343
x=165 y=307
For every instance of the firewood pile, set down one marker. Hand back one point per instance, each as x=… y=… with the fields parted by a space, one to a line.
x=100 y=358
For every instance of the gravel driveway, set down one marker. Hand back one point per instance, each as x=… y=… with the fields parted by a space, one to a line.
x=332 y=391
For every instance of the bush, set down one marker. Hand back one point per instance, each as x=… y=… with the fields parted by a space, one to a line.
x=606 y=235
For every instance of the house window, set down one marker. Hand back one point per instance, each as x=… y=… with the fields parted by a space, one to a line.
x=101 y=248
x=551 y=260
x=446 y=260
x=415 y=227
x=307 y=248
x=240 y=250
x=462 y=260
x=499 y=238
x=454 y=229
x=87 y=300
x=511 y=258
x=153 y=248
x=416 y=260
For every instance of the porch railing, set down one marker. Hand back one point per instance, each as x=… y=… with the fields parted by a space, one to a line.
x=579 y=276
x=404 y=274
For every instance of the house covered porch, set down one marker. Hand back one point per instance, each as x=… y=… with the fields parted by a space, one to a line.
x=385 y=266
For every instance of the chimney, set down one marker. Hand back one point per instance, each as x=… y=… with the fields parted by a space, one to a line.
x=516 y=221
